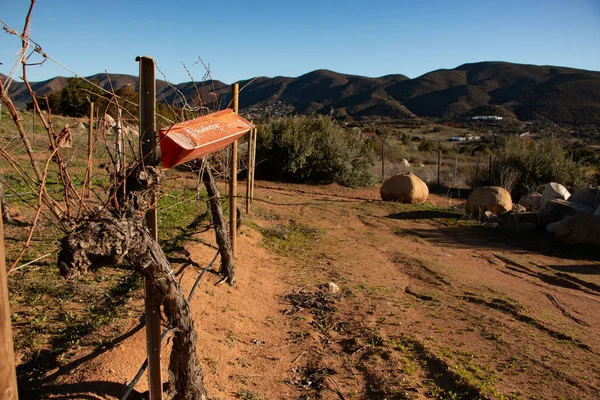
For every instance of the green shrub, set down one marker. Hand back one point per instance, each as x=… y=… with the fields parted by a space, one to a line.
x=314 y=149
x=522 y=165
x=427 y=145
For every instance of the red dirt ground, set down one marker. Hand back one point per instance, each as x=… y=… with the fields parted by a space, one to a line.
x=431 y=306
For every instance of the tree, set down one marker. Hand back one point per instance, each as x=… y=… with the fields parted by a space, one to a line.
x=73 y=100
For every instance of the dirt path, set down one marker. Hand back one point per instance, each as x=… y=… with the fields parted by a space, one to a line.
x=430 y=306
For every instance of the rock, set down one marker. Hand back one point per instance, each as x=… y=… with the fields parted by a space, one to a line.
x=131 y=130
x=107 y=121
x=81 y=126
x=525 y=217
x=579 y=229
x=333 y=288
x=557 y=209
x=404 y=162
x=404 y=188
x=532 y=201
x=490 y=225
x=518 y=208
x=597 y=212
x=489 y=198
x=526 y=227
x=554 y=190
x=589 y=196
x=490 y=215
x=551 y=227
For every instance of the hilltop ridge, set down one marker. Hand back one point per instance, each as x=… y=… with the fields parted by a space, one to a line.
x=560 y=94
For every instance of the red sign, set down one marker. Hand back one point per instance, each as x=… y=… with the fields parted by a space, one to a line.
x=198 y=137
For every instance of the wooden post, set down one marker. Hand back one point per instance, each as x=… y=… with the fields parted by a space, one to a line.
x=439 y=161
x=8 y=374
x=490 y=171
x=97 y=122
x=249 y=170
x=477 y=173
x=235 y=89
x=382 y=161
x=119 y=145
x=255 y=130
x=455 y=167
x=147 y=112
x=90 y=148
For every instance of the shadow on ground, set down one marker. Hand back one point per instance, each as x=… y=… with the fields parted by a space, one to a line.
x=454 y=193
x=455 y=231
x=30 y=375
x=424 y=214
x=81 y=390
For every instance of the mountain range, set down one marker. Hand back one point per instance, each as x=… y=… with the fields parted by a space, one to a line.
x=560 y=94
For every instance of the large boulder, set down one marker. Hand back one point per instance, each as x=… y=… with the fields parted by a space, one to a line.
x=532 y=201
x=553 y=191
x=405 y=188
x=558 y=209
x=107 y=121
x=489 y=198
x=578 y=229
x=589 y=196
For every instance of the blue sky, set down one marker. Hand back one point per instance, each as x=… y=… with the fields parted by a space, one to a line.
x=243 y=39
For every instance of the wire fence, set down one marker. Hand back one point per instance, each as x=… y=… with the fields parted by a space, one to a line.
x=441 y=171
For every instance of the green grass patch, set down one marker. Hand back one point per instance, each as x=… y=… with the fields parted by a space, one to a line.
x=291 y=239
x=179 y=213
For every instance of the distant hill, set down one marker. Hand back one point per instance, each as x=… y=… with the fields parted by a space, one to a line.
x=560 y=94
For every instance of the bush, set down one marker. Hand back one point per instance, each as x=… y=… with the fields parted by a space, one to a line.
x=314 y=149
x=427 y=145
x=521 y=166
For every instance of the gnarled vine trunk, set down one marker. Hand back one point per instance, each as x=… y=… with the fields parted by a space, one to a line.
x=111 y=238
x=3 y=206
x=223 y=241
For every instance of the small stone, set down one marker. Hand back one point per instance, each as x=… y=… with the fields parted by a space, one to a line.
x=333 y=288
x=518 y=208
x=551 y=227
x=532 y=201
x=490 y=215
x=553 y=191
x=526 y=226
x=490 y=225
